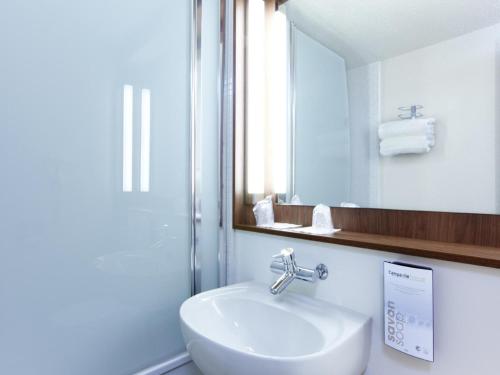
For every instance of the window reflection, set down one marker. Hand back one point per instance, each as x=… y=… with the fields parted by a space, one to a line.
x=145 y=139
x=128 y=112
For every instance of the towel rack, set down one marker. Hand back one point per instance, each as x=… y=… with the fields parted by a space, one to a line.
x=413 y=112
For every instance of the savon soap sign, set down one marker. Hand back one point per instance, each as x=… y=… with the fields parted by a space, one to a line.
x=408 y=309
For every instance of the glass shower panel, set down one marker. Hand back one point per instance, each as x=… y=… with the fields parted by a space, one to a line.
x=95 y=184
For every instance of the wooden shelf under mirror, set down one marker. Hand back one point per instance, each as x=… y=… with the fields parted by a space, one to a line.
x=478 y=255
x=460 y=237
x=457 y=237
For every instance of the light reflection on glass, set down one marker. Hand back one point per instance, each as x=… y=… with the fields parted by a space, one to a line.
x=145 y=139
x=128 y=112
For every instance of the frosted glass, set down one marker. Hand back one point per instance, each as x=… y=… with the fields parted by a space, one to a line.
x=92 y=276
x=322 y=156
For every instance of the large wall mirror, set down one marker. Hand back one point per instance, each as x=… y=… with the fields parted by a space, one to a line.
x=373 y=103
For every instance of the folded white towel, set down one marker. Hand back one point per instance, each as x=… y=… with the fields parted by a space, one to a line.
x=405 y=145
x=405 y=128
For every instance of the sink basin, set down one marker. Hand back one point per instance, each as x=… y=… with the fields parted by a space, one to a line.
x=243 y=329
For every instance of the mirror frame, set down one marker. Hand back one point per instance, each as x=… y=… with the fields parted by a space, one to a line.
x=460 y=237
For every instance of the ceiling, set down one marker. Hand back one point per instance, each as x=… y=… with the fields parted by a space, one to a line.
x=364 y=31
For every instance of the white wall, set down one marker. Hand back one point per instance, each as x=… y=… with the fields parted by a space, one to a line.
x=455 y=81
x=467 y=301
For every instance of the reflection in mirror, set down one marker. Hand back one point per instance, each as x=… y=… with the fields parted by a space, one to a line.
x=266 y=99
x=321 y=158
x=350 y=66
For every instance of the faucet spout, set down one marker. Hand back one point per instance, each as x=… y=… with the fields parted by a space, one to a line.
x=281 y=284
x=289 y=270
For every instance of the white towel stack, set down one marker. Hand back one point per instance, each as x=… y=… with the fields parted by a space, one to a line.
x=415 y=136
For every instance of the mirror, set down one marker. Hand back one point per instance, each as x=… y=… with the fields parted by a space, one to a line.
x=383 y=104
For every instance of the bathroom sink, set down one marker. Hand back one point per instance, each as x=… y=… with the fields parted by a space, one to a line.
x=243 y=329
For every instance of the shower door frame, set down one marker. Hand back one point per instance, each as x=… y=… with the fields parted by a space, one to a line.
x=224 y=104
x=195 y=151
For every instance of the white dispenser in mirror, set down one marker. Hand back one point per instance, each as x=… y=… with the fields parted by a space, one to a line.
x=321 y=222
x=408 y=309
x=264 y=215
x=263 y=211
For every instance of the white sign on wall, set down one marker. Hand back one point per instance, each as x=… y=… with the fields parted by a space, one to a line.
x=408 y=309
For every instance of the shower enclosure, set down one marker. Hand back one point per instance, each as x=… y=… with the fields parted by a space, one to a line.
x=108 y=158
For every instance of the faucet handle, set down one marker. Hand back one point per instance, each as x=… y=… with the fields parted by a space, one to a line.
x=287 y=256
x=285 y=253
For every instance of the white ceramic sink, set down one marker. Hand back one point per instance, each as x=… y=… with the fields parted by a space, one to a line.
x=243 y=329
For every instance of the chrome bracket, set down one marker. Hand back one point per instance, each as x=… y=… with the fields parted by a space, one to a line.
x=322 y=271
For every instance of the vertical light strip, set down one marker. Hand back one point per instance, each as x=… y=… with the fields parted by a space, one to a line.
x=128 y=113
x=145 y=139
x=291 y=112
x=256 y=97
x=277 y=113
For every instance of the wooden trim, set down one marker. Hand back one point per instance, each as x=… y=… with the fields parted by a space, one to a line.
x=277 y=3
x=478 y=255
x=459 y=237
x=239 y=110
x=449 y=227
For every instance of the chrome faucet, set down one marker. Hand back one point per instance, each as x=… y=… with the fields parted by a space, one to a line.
x=286 y=265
